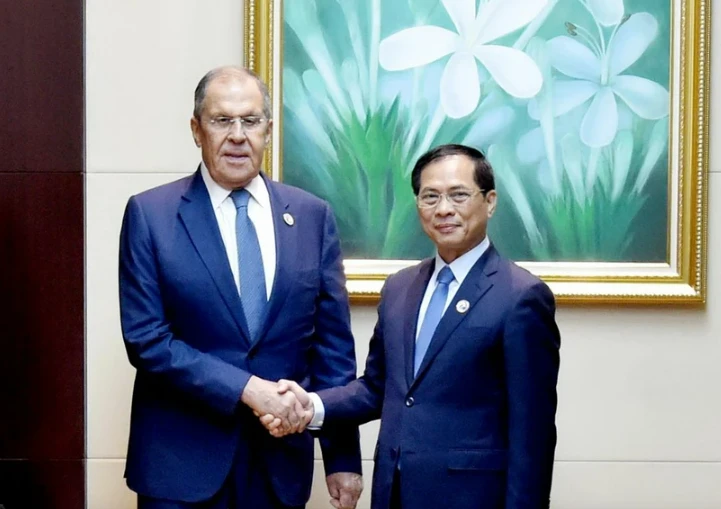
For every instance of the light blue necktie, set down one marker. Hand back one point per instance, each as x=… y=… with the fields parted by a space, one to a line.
x=250 y=265
x=433 y=316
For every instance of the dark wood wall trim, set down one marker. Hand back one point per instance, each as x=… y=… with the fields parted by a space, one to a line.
x=42 y=339
x=41 y=90
x=42 y=484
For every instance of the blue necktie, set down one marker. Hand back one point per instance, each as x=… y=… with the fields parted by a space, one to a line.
x=250 y=265
x=433 y=316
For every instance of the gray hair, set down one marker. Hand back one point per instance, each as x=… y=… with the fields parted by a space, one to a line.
x=202 y=88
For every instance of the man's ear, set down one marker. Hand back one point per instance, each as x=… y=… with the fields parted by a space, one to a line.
x=195 y=129
x=491 y=199
x=269 y=131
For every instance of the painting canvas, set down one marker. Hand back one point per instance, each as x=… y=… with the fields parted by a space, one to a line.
x=570 y=100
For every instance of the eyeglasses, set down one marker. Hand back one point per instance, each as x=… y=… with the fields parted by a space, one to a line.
x=247 y=124
x=457 y=198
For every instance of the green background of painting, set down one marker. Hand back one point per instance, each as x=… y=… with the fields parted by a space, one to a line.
x=649 y=229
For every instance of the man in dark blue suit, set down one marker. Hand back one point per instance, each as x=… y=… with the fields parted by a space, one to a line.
x=228 y=282
x=463 y=362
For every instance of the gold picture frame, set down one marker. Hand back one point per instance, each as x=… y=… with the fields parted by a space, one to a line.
x=679 y=280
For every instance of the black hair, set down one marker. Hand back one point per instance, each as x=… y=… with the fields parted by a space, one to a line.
x=483 y=174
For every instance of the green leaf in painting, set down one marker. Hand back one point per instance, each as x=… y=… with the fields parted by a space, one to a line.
x=573 y=165
x=622 y=153
x=656 y=148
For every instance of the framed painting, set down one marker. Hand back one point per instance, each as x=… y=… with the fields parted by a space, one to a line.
x=593 y=114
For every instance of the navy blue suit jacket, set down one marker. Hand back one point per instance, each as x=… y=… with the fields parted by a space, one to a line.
x=185 y=332
x=476 y=427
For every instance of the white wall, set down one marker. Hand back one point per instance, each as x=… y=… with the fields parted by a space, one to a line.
x=639 y=403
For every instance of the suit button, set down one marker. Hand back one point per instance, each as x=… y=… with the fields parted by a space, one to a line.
x=410 y=401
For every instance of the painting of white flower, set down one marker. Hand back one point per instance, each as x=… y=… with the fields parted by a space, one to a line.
x=598 y=81
x=568 y=99
x=513 y=70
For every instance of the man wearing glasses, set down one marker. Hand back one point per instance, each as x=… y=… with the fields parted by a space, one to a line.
x=218 y=301
x=462 y=365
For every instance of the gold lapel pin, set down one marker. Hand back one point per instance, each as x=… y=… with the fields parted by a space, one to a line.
x=462 y=306
x=288 y=219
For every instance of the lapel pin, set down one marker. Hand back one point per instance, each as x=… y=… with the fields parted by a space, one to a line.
x=288 y=219
x=462 y=306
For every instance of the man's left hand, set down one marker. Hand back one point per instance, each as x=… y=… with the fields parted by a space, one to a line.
x=345 y=488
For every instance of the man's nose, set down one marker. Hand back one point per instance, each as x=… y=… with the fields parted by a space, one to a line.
x=444 y=207
x=236 y=133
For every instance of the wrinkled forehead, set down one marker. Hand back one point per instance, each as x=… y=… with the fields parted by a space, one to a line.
x=233 y=79
x=233 y=91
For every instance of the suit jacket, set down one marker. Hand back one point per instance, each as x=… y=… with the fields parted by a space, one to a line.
x=186 y=334
x=475 y=428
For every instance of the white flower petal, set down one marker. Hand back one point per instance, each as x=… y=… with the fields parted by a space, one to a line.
x=462 y=13
x=646 y=98
x=625 y=116
x=531 y=146
x=631 y=40
x=569 y=94
x=416 y=46
x=513 y=70
x=574 y=59
x=607 y=12
x=601 y=120
x=497 y=18
x=489 y=125
x=460 y=89
x=570 y=122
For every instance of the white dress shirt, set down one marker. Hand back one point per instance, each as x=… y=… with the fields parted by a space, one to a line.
x=259 y=212
x=460 y=267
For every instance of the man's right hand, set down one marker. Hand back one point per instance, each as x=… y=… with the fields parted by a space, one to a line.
x=275 y=424
x=279 y=401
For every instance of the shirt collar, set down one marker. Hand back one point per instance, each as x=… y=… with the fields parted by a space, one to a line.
x=462 y=265
x=219 y=194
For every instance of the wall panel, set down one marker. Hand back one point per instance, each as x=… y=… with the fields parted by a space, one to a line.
x=42 y=344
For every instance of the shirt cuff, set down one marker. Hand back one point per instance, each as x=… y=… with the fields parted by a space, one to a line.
x=318 y=412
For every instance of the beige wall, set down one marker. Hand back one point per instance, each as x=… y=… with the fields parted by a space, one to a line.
x=640 y=400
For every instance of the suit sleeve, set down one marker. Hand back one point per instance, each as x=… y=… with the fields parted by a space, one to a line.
x=531 y=351
x=333 y=355
x=361 y=400
x=149 y=339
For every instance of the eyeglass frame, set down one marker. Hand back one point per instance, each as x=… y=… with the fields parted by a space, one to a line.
x=239 y=120
x=448 y=198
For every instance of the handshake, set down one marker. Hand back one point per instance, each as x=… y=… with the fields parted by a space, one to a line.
x=283 y=407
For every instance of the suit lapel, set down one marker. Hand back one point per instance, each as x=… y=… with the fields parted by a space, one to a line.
x=196 y=213
x=474 y=287
x=412 y=308
x=284 y=249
